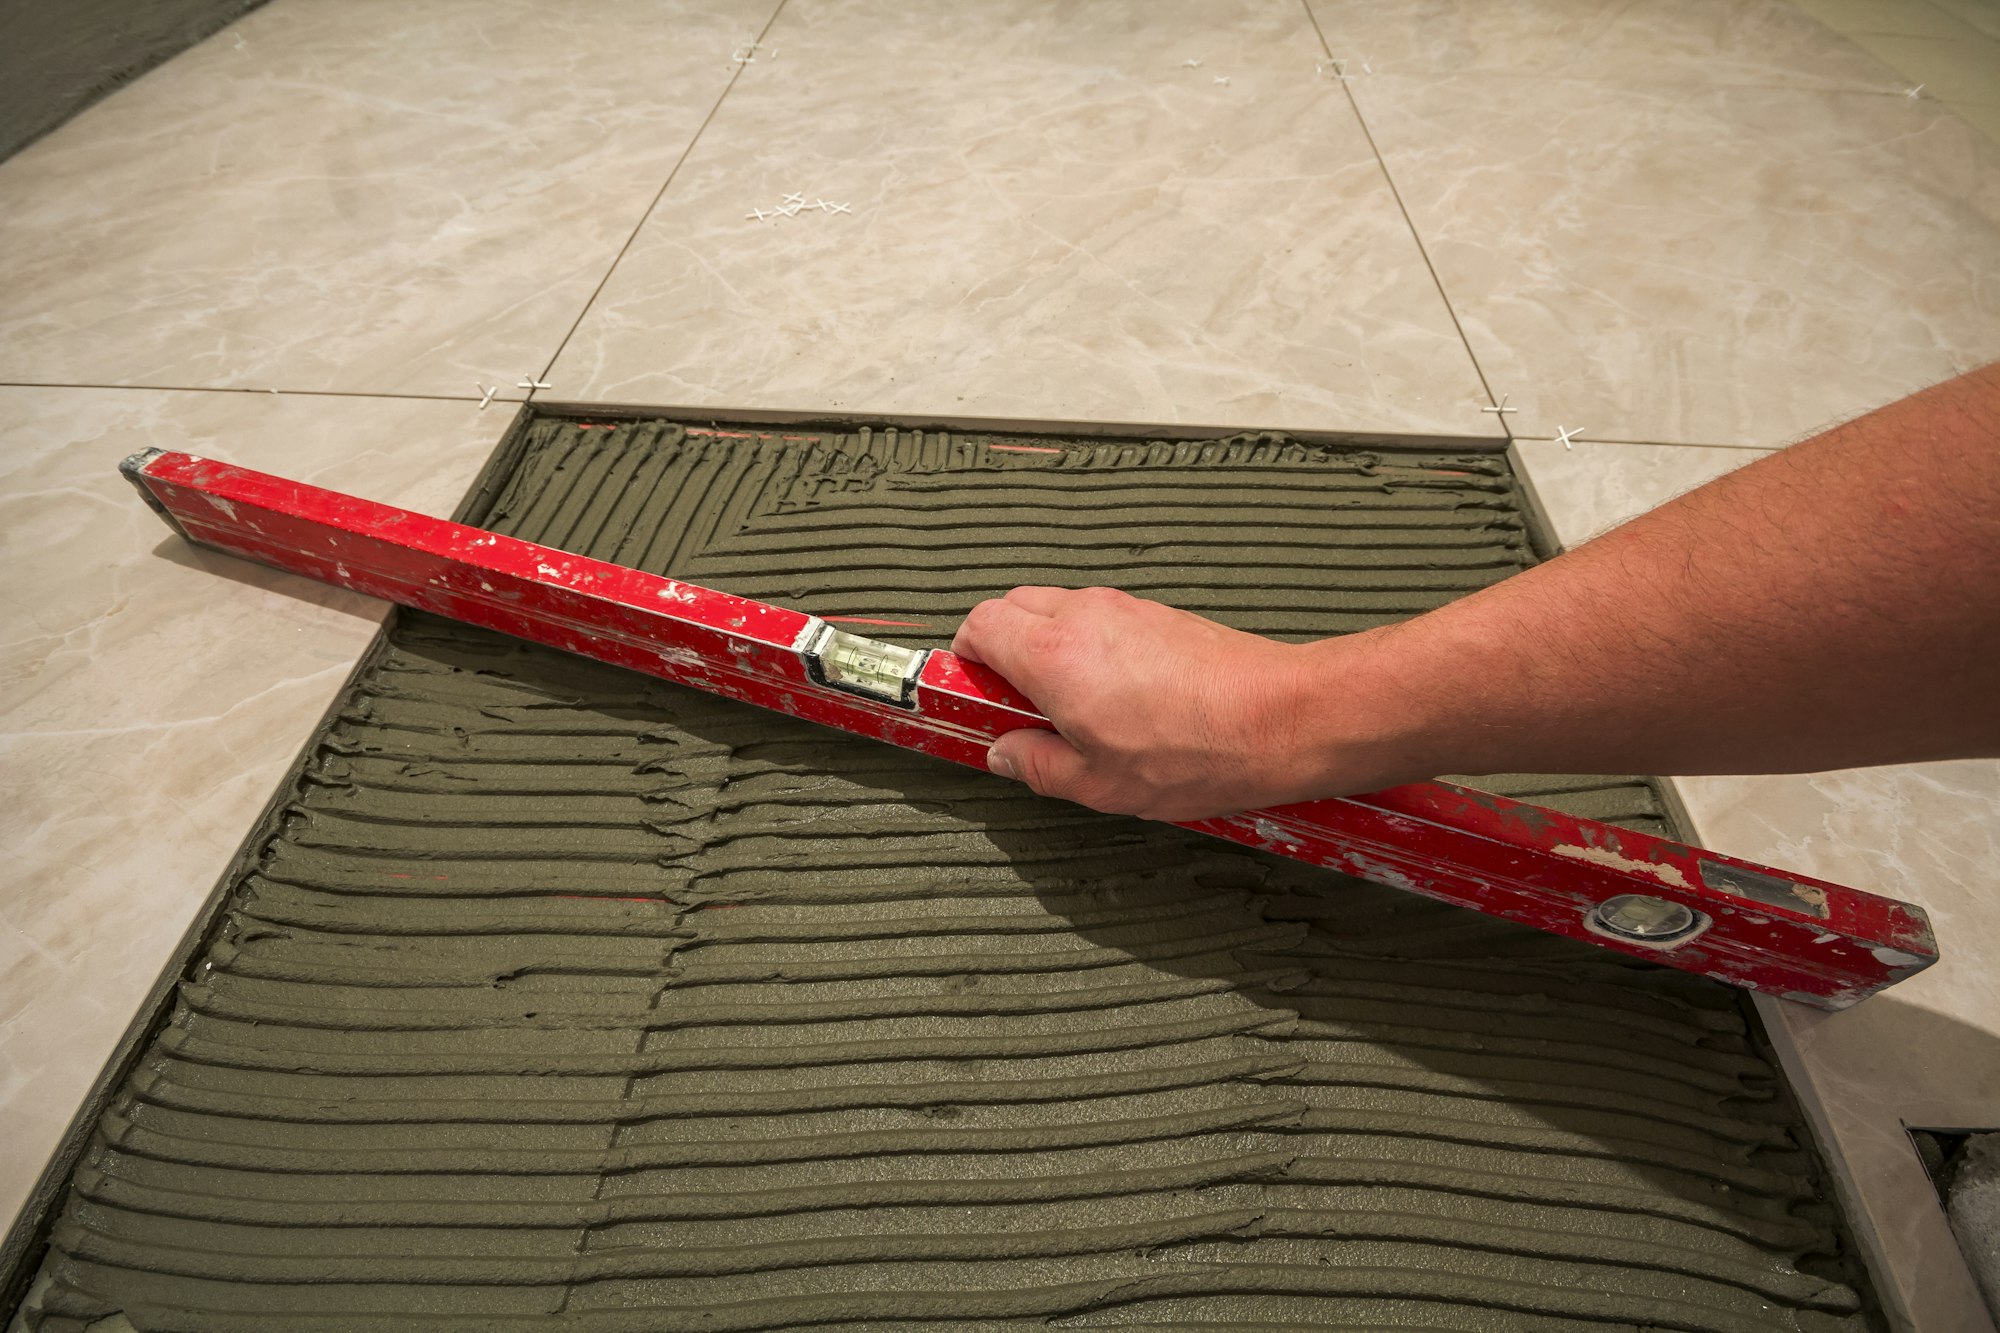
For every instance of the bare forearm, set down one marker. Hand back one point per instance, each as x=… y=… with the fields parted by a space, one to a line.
x=1835 y=604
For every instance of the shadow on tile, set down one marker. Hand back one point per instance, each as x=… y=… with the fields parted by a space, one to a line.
x=178 y=551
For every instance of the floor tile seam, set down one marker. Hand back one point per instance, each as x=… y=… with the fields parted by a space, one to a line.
x=386 y=395
x=653 y=207
x=1659 y=85
x=1885 y=32
x=1971 y=34
x=1416 y=237
x=1625 y=442
x=1957 y=17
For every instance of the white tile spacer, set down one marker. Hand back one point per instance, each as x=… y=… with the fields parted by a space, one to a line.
x=795 y=198
x=757 y=215
x=1222 y=79
x=486 y=394
x=1502 y=410
x=532 y=383
x=1914 y=93
x=1565 y=436
x=837 y=208
x=1190 y=64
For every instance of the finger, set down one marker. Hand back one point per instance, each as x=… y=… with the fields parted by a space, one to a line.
x=984 y=621
x=1040 y=600
x=995 y=633
x=1050 y=765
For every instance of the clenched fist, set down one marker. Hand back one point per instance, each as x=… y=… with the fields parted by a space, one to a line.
x=1159 y=713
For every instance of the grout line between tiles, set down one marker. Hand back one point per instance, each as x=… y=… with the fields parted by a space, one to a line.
x=1654 y=444
x=1396 y=194
x=644 y=217
x=264 y=393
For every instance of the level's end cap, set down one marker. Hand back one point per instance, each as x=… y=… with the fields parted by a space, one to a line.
x=134 y=467
x=134 y=471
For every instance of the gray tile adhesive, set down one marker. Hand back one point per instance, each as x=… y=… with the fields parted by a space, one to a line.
x=565 y=991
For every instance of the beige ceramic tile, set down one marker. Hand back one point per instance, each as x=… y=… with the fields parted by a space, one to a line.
x=1698 y=265
x=1705 y=43
x=151 y=695
x=1924 y=1055
x=1981 y=14
x=1912 y=18
x=367 y=196
x=1589 y=487
x=1961 y=69
x=1053 y=215
x=1985 y=119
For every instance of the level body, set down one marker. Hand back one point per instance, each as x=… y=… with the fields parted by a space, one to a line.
x=1789 y=935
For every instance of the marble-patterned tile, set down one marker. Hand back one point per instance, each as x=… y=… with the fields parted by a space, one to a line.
x=153 y=694
x=1964 y=69
x=1985 y=119
x=1924 y=1055
x=1054 y=214
x=1703 y=43
x=1912 y=18
x=1702 y=265
x=1591 y=487
x=369 y=196
x=1981 y=14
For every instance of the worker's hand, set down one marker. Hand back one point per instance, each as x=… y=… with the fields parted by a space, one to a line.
x=1158 y=712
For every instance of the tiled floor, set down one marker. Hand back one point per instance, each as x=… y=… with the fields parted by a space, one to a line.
x=1675 y=223
x=141 y=738
x=1070 y=223
x=364 y=197
x=1948 y=49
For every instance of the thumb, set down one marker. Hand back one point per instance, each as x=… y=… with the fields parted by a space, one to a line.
x=1050 y=765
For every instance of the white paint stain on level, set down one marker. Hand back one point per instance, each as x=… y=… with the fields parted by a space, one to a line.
x=1273 y=838
x=1611 y=860
x=1380 y=872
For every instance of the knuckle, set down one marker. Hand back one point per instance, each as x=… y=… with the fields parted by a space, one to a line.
x=969 y=627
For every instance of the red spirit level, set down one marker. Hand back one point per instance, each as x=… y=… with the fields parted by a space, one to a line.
x=1745 y=924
